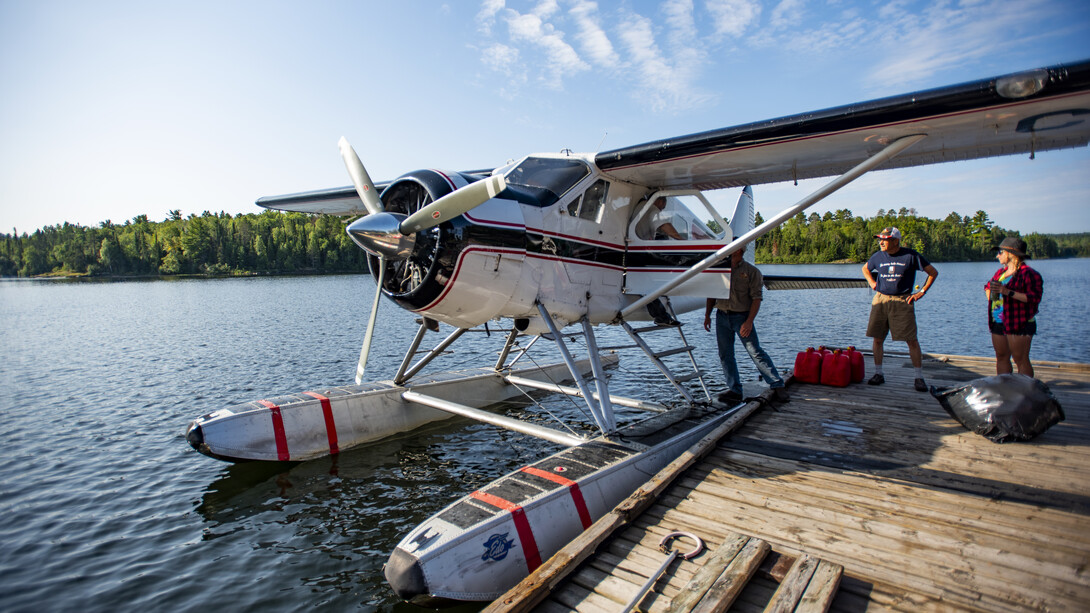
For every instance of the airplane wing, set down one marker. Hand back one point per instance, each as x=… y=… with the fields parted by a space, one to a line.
x=1022 y=113
x=334 y=201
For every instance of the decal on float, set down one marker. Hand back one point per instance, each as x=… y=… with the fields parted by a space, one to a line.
x=496 y=547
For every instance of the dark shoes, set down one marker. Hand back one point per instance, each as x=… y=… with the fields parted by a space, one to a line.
x=729 y=397
x=779 y=394
x=878 y=379
x=660 y=315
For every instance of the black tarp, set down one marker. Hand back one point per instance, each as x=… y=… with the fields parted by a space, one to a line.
x=1002 y=408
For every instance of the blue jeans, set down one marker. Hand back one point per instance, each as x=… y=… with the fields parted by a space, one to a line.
x=727 y=325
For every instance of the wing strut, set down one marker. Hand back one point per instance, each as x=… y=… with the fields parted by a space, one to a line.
x=892 y=150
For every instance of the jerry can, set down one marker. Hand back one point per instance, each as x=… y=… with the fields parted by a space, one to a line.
x=859 y=369
x=808 y=366
x=836 y=369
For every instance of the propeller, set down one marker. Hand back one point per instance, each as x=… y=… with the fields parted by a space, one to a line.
x=393 y=236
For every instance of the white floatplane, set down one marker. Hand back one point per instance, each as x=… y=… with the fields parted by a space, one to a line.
x=555 y=240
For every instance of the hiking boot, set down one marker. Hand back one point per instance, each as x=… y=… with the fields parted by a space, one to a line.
x=729 y=397
x=667 y=321
x=919 y=385
x=877 y=379
x=779 y=394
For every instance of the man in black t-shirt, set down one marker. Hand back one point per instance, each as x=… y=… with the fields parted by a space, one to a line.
x=891 y=273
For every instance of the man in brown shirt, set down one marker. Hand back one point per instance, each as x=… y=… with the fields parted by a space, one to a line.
x=735 y=315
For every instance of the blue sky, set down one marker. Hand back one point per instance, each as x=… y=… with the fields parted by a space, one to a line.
x=111 y=109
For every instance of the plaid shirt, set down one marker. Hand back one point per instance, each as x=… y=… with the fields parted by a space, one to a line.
x=1017 y=314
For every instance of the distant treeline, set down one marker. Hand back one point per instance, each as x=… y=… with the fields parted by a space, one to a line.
x=273 y=242
x=842 y=237
x=208 y=244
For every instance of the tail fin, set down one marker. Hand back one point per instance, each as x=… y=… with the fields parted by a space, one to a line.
x=742 y=220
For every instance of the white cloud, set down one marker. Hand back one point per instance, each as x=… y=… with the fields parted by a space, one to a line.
x=591 y=37
x=679 y=19
x=786 y=14
x=486 y=17
x=500 y=58
x=733 y=17
x=561 y=59
x=664 y=84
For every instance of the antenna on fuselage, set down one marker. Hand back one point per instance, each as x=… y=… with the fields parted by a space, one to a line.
x=604 y=135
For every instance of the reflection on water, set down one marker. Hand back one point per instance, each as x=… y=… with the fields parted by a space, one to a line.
x=106 y=507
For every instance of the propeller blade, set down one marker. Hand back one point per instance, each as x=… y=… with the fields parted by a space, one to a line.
x=454 y=204
x=365 y=187
x=366 y=349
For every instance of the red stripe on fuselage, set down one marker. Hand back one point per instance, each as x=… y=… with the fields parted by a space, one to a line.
x=278 y=431
x=330 y=424
x=573 y=489
x=522 y=526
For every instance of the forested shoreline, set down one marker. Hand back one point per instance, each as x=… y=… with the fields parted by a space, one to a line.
x=271 y=242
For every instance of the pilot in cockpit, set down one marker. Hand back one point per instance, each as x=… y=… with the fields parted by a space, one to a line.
x=661 y=221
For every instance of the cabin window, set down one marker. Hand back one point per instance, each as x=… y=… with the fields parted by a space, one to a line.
x=676 y=215
x=589 y=205
x=545 y=180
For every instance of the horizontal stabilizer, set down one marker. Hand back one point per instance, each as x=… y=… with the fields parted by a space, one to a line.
x=775 y=282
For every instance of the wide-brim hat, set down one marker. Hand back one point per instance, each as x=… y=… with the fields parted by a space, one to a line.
x=1014 y=245
x=889 y=233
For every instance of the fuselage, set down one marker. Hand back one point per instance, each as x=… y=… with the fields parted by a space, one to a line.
x=562 y=234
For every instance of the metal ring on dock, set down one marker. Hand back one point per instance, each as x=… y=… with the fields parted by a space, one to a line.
x=688 y=556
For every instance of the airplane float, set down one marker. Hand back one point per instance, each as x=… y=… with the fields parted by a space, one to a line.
x=552 y=241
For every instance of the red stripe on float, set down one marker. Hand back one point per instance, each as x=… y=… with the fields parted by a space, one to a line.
x=330 y=425
x=522 y=526
x=573 y=489
x=278 y=431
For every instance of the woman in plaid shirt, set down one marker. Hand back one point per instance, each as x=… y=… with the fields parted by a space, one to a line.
x=1014 y=294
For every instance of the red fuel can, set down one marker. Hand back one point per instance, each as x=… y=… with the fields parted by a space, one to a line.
x=859 y=369
x=808 y=366
x=836 y=369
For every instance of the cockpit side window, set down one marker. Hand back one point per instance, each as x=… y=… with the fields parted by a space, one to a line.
x=589 y=205
x=673 y=218
x=545 y=180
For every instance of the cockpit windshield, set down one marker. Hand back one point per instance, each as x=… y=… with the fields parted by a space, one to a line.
x=546 y=179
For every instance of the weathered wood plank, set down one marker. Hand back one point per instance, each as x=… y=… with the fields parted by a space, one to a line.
x=730 y=583
x=793 y=585
x=702 y=581
x=822 y=588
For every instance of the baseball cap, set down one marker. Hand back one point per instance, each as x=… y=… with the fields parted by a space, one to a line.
x=889 y=233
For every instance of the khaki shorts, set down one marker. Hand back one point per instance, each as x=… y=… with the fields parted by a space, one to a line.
x=893 y=315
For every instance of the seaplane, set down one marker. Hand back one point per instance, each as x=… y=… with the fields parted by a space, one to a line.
x=558 y=245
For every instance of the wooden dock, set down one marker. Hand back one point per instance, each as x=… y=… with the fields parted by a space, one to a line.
x=865 y=498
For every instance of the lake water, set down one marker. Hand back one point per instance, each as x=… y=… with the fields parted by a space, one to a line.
x=106 y=507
